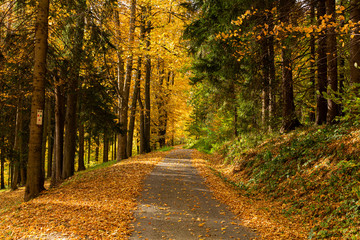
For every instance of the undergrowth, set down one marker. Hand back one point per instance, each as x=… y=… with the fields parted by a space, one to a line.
x=165 y=149
x=313 y=172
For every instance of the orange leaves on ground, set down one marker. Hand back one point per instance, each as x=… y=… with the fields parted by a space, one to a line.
x=258 y=214
x=95 y=204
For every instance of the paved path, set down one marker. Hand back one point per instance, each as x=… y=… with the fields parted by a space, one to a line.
x=175 y=204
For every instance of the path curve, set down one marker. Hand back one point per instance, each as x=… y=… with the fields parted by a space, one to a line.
x=175 y=204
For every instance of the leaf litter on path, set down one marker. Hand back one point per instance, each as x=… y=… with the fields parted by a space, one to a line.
x=176 y=204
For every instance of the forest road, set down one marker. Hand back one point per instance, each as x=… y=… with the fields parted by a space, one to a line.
x=176 y=204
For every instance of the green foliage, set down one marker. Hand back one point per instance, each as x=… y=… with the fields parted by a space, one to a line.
x=165 y=149
x=312 y=176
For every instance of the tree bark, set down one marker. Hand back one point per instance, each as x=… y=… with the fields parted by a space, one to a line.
x=18 y=145
x=120 y=79
x=355 y=44
x=265 y=84
x=147 y=113
x=312 y=115
x=81 y=161
x=321 y=102
x=136 y=91
x=70 y=119
x=142 y=126
x=59 y=135
x=106 y=147
x=133 y=109
x=333 y=108
x=50 y=141
x=89 y=148
x=97 y=148
x=289 y=121
x=114 y=147
x=34 y=184
x=161 y=102
x=2 y=171
x=45 y=134
x=126 y=90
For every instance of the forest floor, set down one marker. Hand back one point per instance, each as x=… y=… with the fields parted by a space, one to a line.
x=102 y=203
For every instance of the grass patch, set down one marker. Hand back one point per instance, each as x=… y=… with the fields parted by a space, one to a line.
x=165 y=149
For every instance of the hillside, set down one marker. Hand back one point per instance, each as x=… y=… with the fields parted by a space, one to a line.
x=311 y=176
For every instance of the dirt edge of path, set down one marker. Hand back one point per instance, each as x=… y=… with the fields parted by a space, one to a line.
x=254 y=214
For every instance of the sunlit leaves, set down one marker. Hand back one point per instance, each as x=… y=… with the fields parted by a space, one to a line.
x=95 y=204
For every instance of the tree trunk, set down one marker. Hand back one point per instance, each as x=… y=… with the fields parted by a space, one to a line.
x=272 y=85
x=59 y=135
x=97 y=148
x=126 y=92
x=312 y=115
x=289 y=121
x=2 y=177
x=45 y=134
x=355 y=44
x=50 y=141
x=272 y=82
x=147 y=117
x=136 y=92
x=81 y=165
x=341 y=83
x=333 y=108
x=133 y=109
x=142 y=126
x=161 y=101
x=120 y=79
x=114 y=147
x=321 y=102
x=34 y=184
x=70 y=119
x=106 y=147
x=341 y=70
x=89 y=149
x=265 y=84
x=17 y=145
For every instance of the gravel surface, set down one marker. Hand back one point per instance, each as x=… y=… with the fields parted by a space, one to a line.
x=175 y=204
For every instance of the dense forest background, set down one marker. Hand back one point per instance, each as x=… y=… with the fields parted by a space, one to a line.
x=262 y=67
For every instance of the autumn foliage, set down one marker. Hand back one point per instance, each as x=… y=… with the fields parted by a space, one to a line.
x=94 y=204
